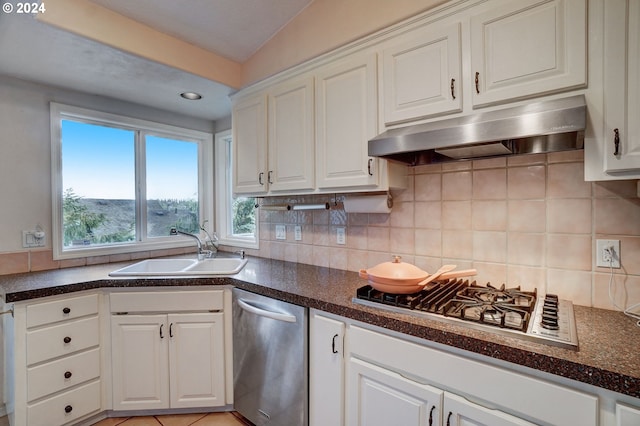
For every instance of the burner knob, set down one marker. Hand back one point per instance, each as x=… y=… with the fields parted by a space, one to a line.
x=550 y=322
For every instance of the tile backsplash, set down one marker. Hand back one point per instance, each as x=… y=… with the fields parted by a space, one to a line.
x=529 y=221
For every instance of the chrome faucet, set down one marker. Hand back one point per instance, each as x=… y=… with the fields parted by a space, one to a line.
x=202 y=254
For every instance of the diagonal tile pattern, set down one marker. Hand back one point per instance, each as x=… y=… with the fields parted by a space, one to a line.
x=211 y=419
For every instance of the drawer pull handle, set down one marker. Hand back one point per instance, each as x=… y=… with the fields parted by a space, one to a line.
x=616 y=141
x=453 y=86
x=66 y=310
x=333 y=344
x=67 y=374
x=67 y=339
x=68 y=409
x=477 y=81
x=171 y=330
x=433 y=407
x=161 y=333
x=449 y=418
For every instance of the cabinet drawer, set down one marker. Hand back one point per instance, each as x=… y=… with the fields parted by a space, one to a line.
x=62 y=374
x=53 y=411
x=167 y=301
x=66 y=338
x=61 y=310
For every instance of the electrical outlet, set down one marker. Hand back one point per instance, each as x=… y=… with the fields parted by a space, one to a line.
x=33 y=239
x=608 y=253
x=340 y=236
x=281 y=232
x=297 y=233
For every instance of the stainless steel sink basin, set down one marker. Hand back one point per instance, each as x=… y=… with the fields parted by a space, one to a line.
x=181 y=267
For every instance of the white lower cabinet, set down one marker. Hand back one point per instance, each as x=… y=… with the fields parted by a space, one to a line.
x=457 y=411
x=381 y=397
x=326 y=370
x=53 y=360
x=627 y=415
x=388 y=381
x=167 y=360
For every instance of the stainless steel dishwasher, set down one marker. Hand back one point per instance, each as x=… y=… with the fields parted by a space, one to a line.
x=270 y=365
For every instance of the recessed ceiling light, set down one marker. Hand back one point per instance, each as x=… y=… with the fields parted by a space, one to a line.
x=192 y=96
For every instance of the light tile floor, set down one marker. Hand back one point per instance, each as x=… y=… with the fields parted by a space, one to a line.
x=211 y=419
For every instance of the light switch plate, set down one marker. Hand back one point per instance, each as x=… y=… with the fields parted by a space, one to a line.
x=297 y=233
x=281 y=232
x=340 y=236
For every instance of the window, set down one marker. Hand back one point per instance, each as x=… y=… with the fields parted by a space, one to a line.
x=120 y=184
x=237 y=222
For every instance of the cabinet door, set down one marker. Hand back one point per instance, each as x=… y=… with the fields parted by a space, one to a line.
x=421 y=75
x=140 y=359
x=622 y=86
x=380 y=397
x=196 y=354
x=460 y=412
x=345 y=121
x=250 y=145
x=627 y=416
x=326 y=371
x=291 y=136
x=527 y=48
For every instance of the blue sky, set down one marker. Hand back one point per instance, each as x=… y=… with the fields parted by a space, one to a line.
x=98 y=162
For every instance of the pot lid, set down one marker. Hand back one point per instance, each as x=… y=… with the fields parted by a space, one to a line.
x=397 y=269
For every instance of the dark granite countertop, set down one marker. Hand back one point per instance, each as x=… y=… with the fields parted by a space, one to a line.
x=607 y=357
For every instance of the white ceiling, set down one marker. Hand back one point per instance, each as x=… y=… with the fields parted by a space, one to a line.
x=34 y=51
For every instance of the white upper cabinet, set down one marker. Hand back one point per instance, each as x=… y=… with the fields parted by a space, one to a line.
x=250 y=145
x=528 y=48
x=622 y=88
x=291 y=136
x=346 y=118
x=421 y=74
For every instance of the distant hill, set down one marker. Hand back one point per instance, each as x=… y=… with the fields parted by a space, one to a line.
x=161 y=216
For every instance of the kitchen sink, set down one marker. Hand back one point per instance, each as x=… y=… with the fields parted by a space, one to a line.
x=182 y=267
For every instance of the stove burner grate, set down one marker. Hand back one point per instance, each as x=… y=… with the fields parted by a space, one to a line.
x=499 y=307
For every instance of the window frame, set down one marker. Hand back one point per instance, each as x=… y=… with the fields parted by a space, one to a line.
x=59 y=112
x=224 y=195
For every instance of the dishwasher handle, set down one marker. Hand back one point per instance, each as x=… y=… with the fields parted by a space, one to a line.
x=265 y=313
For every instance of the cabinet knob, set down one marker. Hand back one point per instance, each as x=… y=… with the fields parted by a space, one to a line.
x=68 y=409
x=67 y=374
x=67 y=339
x=66 y=310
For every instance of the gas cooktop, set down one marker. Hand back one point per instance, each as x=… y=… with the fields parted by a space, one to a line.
x=509 y=311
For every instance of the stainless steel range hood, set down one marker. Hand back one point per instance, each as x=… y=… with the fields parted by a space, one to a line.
x=547 y=126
